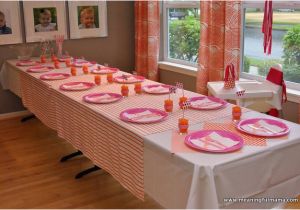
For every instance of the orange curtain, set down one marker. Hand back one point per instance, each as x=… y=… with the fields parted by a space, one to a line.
x=147 y=23
x=219 y=40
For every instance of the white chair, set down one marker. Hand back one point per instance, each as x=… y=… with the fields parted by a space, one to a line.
x=274 y=82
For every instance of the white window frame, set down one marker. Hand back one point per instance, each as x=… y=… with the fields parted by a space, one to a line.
x=166 y=6
x=260 y=4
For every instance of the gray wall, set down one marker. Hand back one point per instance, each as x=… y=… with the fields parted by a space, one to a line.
x=117 y=49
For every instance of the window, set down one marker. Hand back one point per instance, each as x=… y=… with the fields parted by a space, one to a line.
x=285 y=46
x=181 y=31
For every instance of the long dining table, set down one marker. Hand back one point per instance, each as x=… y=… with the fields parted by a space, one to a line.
x=152 y=158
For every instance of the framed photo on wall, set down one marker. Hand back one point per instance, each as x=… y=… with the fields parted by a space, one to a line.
x=10 y=23
x=87 y=19
x=44 y=20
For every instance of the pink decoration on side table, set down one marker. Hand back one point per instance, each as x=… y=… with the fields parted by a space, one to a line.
x=229 y=78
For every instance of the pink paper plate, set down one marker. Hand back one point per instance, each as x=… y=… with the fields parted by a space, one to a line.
x=64 y=58
x=39 y=69
x=208 y=107
x=222 y=148
x=54 y=76
x=81 y=63
x=267 y=131
x=94 y=98
x=142 y=119
x=131 y=79
x=104 y=70
x=26 y=63
x=76 y=86
x=148 y=88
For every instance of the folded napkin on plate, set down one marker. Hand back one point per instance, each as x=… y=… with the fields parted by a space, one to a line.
x=129 y=79
x=75 y=87
x=103 y=70
x=55 y=77
x=40 y=69
x=26 y=63
x=144 y=116
x=262 y=127
x=102 y=98
x=157 y=89
x=214 y=141
x=44 y=68
x=205 y=103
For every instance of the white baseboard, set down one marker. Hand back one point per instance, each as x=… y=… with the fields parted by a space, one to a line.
x=14 y=114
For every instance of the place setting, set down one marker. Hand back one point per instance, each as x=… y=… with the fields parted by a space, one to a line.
x=82 y=62
x=143 y=115
x=263 y=127
x=157 y=89
x=27 y=63
x=215 y=141
x=55 y=76
x=102 y=98
x=64 y=58
x=76 y=86
x=207 y=103
x=129 y=79
x=104 y=70
x=40 y=69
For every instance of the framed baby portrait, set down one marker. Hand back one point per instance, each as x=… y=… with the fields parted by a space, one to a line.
x=87 y=19
x=44 y=20
x=10 y=23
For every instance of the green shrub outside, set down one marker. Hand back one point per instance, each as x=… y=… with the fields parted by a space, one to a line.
x=184 y=38
x=291 y=43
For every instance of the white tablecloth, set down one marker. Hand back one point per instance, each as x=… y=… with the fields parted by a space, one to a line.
x=203 y=180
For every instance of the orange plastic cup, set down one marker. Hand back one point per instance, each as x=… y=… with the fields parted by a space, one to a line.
x=168 y=105
x=53 y=58
x=183 y=125
x=73 y=71
x=43 y=59
x=68 y=62
x=97 y=80
x=236 y=113
x=138 y=88
x=124 y=90
x=85 y=69
x=56 y=64
x=109 y=78
x=181 y=100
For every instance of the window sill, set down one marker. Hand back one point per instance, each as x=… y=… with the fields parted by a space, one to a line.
x=292 y=95
x=178 y=68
